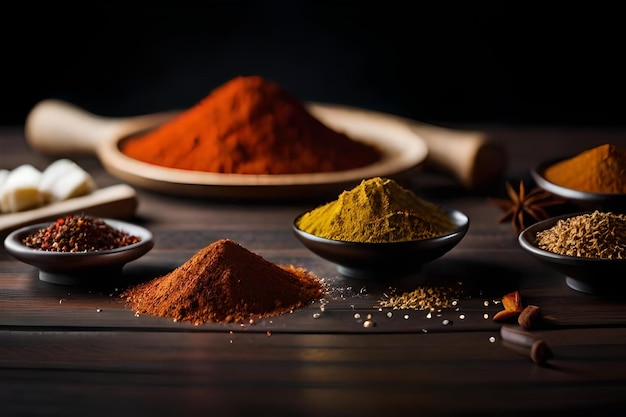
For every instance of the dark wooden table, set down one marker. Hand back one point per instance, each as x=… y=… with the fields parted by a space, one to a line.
x=77 y=351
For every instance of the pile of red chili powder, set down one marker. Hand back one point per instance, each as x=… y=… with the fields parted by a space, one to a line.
x=250 y=125
x=225 y=282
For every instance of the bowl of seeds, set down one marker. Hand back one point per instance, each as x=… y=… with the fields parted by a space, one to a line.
x=79 y=249
x=589 y=248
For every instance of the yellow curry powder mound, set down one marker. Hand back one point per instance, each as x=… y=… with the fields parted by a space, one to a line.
x=377 y=210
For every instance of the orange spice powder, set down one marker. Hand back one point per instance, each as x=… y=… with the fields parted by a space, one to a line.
x=225 y=283
x=250 y=125
x=600 y=170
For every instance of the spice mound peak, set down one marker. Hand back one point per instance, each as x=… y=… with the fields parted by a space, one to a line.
x=598 y=170
x=380 y=230
x=225 y=282
x=250 y=125
x=378 y=210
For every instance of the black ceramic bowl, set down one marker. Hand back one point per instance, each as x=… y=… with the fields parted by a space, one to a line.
x=584 y=200
x=78 y=268
x=380 y=260
x=596 y=276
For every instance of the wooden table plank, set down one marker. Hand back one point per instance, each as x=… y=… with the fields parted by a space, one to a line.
x=311 y=373
x=78 y=351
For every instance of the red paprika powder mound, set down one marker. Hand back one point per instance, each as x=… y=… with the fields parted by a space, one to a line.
x=250 y=125
x=224 y=282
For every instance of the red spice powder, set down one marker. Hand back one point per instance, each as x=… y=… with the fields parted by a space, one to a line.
x=224 y=282
x=250 y=125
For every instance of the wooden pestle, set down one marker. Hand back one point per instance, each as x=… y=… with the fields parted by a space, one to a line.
x=470 y=157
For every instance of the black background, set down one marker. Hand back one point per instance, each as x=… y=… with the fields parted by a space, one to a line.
x=442 y=62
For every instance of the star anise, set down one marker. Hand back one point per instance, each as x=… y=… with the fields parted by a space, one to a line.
x=521 y=205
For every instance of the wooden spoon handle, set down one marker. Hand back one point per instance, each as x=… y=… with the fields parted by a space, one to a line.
x=471 y=157
x=116 y=201
x=58 y=127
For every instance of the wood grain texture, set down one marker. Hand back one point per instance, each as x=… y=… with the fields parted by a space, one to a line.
x=78 y=351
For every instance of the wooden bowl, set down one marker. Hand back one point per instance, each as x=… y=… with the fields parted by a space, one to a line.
x=59 y=128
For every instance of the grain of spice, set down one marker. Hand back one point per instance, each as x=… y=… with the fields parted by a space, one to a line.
x=79 y=233
x=424 y=298
x=226 y=283
x=589 y=235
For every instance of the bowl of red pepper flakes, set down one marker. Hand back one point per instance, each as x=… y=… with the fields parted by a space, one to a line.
x=77 y=249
